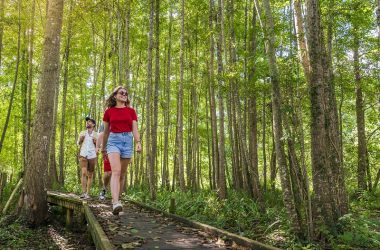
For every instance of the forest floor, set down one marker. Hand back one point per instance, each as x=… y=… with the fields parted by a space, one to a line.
x=14 y=234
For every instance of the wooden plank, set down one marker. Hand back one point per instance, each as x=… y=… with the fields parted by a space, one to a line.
x=240 y=240
x=98 y=235
x=69 y=201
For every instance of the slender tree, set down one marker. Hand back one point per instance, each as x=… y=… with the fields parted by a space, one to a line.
x=155 y=98
x=66 y=60
x=30 y=78
x=165 y=165
x=11 y=99
x=179 y=132
x=362 y=175
x=148 y=110
x=277 y=121
x=214 y=129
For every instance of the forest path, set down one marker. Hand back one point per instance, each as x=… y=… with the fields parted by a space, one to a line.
x=138 y=228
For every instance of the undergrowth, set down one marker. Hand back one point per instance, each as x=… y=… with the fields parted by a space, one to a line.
x=268 y=222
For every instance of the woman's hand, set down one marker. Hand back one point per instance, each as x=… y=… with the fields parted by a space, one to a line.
x=138 y=147
x=104 y=153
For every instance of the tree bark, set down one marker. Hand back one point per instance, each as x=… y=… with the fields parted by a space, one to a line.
x=30 y=80
x=222 y=186
x=64 y=101
x=214 y=128
x=165 y=175
x=277 y=121
x=148 y=98
x=179 y=137
x=155 y=99
x=328 y=179
x=127 y=42
x=252 y=103
x=35 y=205
x=301 y=41
x=360 y=121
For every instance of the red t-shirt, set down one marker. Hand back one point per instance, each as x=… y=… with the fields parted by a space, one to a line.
x=120 y=119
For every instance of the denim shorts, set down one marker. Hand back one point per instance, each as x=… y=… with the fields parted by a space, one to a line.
x=121 y=143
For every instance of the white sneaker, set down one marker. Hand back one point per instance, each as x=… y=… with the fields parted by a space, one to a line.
x=84 y=196
x=116 y=208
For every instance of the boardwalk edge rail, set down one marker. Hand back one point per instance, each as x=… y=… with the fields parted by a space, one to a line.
x=98 y=236
x=240 y=240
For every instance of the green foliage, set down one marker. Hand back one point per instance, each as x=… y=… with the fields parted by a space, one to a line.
x=359 y=230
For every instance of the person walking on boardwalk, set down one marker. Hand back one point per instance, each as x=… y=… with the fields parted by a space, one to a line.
x=120 y=127
x=106 y=165
x=87 y=155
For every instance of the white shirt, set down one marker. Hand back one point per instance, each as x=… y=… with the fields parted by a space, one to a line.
x=88 y=149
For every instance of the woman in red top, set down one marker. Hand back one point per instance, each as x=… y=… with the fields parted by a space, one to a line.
x=120 y=127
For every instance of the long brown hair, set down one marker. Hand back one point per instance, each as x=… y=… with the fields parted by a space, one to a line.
x=111 y=100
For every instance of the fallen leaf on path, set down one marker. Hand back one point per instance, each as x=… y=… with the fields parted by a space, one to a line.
x=127 y=246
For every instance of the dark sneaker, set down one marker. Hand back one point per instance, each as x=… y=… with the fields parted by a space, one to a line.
x=102 y=195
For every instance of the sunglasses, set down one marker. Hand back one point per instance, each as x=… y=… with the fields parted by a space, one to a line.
x=124 y=93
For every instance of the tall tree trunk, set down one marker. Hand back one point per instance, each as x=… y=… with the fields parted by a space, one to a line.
x=30 y=80
x=240 y=168
x=360 y=121
x=179 y=133
x=301 y=41
x=273 y=161
x=11 y=99
x=35 y=206
x=127 y=42
x=24 y=94
x=220 y=45
x=253 y=146
x=148 y=110
x=155 y=100
x=264 y=123
x=214 y=128
x=165 y=175
x=334 y=142
x=328 y=179
x=65 y=83
x=277 y=121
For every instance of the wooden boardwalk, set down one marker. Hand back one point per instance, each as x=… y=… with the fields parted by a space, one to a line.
x=143 y=227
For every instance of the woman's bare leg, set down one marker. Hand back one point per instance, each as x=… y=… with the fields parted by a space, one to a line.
x=114 y=159
x=124 y=167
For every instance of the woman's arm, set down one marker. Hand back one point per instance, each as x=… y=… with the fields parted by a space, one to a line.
x=106 y=133
x=136 y=135
x=99 y=142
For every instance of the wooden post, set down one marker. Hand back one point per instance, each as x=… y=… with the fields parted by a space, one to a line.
x=69 y=217
x=172 y=206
